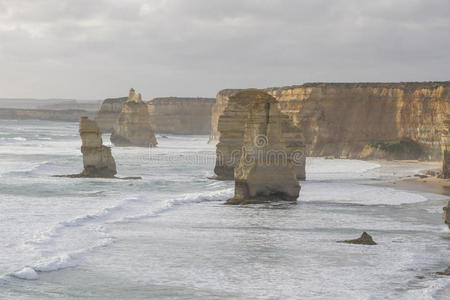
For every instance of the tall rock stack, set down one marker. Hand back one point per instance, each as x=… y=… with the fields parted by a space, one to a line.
x=231 y=126
x=265 y=171
x=445 y=144
x=132 y=127
x=446 y=215
x=97 y=159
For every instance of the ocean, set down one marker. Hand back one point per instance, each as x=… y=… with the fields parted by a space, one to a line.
x=170 y=236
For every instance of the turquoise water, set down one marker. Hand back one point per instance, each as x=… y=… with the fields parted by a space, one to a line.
x=169 y=236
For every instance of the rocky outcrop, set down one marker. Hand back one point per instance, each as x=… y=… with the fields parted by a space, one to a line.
x=365 y=239
x=445 y=145
x=71 y=115
x=109 y=112
x=97 y=159
x=341 y=119
x=232 y=126
x=446 y=215
x=265 y=171
x=132 y=127
x=446 y=272
x=185 y=116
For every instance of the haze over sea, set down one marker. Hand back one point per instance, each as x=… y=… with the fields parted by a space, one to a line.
x=169 y=236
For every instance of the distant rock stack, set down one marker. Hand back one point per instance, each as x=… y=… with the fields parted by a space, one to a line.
x=445 y=145
x=109 y=112
x=132 y=127
x=97 y=159
x=265 y=171
x=446 y=215
x=231 y=125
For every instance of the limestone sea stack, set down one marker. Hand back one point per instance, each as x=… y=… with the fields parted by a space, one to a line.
x=445 y=145
x=132 y=127
x=97 y=158
x=364 y=239
x=231 y=125
x=265 y=172
x=446 y=215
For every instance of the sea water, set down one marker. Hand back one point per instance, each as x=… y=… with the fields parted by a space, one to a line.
x=169 y=236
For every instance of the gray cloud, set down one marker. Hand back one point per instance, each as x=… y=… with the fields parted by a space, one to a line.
x=97 y=49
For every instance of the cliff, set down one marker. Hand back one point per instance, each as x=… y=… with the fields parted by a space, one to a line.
x=109 y=112
x=71 y=115
x=132 y=127
x=343 y=119
x=445 y=144
x=263 y=173
x=181 y=115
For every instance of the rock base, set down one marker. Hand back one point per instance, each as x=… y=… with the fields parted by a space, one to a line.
x=365 y=239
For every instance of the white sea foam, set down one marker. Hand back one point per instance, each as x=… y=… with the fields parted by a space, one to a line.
x=26 y=273
x=357 y=194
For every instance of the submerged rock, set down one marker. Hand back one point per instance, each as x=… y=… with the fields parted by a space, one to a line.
x=265 y=171
x=365 y=239
x=446 y=215
x=446 y=272
x=132 y=127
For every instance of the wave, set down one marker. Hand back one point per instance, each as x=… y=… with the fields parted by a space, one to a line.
x=187 y=199
x=70 y=259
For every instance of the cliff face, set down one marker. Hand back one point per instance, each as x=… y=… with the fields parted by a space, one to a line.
x=132 y=127
x=261 y=176
x=181 y=115
x=109 y=112
x=97 y=159
x=341 y=119
x=71 y=115
x=445 y=144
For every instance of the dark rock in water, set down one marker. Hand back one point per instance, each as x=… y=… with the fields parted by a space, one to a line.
x=446 y=215
x=365 y=239
x=446 y=272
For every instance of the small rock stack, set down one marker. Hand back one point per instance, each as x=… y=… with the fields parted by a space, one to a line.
x=446 y=215
x=132 y=127
x=265 y=171
x=445 y=145
x=97 y=159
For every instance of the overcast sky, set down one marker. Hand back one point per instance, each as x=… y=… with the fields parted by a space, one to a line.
x=94 y=49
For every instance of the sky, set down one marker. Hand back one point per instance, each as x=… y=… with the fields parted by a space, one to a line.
x=95 y=49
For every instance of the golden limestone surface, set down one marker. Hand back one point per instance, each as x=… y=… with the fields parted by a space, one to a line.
x=341 y=119
x=97 y=159
x=231 y=126
x=132 y=127
x=265 y=172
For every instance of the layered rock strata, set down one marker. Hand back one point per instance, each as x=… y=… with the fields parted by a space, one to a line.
x=265 y=171
x=132 y=127
x=341 y=119
x=445 y=145
x=232 y=127
x=109 y=112
x=97 y=158
x=186 y=116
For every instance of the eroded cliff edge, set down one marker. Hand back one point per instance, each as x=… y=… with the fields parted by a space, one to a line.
x=181 y=115
x=342 y=119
